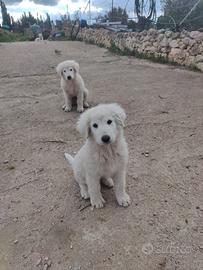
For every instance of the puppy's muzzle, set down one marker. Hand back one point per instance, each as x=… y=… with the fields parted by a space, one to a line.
x=105 y=139
x=69 y=78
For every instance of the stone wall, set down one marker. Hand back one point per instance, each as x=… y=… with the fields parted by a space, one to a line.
x=184 y=48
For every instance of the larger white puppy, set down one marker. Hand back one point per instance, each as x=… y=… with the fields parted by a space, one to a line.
x=72 y=85
x=104 y=155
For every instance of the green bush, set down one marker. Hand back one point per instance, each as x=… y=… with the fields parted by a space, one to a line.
x=6 y=36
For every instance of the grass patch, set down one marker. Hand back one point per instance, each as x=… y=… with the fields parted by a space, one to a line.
x=6 y=36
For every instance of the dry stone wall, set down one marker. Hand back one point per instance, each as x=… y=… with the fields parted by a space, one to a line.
x=184 y=48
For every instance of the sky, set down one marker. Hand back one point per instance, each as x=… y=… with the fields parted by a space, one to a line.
x=56 y=8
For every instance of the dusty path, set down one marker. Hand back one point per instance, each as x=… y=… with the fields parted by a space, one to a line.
x=41 y=213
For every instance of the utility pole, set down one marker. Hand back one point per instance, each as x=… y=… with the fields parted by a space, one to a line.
x=112 y=10
x=90 y=19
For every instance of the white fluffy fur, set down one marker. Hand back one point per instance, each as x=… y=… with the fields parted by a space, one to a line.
x=39 y=38
x=98 y=161
x=72 y=87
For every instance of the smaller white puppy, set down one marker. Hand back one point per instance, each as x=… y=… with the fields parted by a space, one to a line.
x=104 y=155
x=72 y=85
x=39 y=38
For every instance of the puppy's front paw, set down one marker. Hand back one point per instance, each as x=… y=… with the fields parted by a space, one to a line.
x=98 y=202
x=86 y=105
x=66 y=108
x=80 y=109
x=124 y=200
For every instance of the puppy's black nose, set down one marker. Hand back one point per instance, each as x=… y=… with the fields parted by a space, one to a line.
x=105 y=139
x=69 y=77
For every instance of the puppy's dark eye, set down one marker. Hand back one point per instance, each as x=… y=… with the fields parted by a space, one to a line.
x=109 y=122
x=70 y=69
x=95 y=125
x=64 y=70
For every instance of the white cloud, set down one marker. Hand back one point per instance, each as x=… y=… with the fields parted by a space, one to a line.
x=97 y=6
x=54 y=11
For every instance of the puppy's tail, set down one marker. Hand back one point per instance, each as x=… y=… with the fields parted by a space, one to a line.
x=69 y=158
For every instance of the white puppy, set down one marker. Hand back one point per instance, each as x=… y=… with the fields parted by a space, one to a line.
x=39 y=38
x=104 y=156
x=72 y=85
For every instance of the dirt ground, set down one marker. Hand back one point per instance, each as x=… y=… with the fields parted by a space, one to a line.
x=44 y=224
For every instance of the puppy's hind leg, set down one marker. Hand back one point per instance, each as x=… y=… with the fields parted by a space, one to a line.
x=107 y=182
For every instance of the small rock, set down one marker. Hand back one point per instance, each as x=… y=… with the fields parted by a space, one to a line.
x=57 y=51
x=199 y=58
x=49 y=263
x=46 y=258
x=173 y=44
x=178 y=227
x=151 y=222
x=146 y=153
x=165 y=112
x=45 y=267
x=71 y=246
x=51 y=208
x=11 y=167
x=6 y=161
x=16 y=241
x=15 y=219
x=200 y=66
x=39 y=261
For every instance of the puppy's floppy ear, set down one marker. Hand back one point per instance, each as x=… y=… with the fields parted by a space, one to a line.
x=119 y=114
x=83 y=125
x=76 y=67
x=59 y=69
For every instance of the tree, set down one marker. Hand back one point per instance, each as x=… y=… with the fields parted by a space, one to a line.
x=6 y=20
x=47 y=23
x=118 y=14
x=178 y=9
